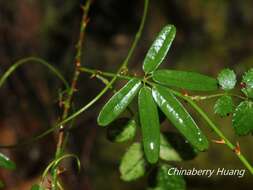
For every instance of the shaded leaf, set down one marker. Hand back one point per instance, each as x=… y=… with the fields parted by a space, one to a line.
x=185 y=80
x=227 y=79
x=166 y=180
x=133 y=163
x=224 y=106
x=150 y=125
x=121 y=130
x=6 y=163
x=37 y=187
x=167 y=152
x=180 y=118
x=118 y=102
x=243 y=118
x=159 y=49
x=248 y=83
x=183 y=147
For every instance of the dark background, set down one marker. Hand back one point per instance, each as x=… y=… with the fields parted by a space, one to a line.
x=211 y=35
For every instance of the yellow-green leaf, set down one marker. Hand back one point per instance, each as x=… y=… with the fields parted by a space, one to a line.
x=167 y=152
x=179 y=117
x=133 y=163
x=37 y=187
x=121 y=130
x=159 y=49
x=118 y=102
x=185 y=80
x=150 y=125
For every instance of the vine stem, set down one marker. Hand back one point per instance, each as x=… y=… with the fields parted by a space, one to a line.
x=217 y=131
x=67 y=102
x=76 y=75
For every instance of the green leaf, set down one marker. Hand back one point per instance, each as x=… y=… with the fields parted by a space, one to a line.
x=224 y=106
x=165 y=179
x=247 y=80
x=6 y=163
x=180 y=118
x=185 y=80
x=150 y=125
x=121 y=130
x=133 y=164
x=118 y=102
x=37 y=187
x=243 y=118
x=159 y=49
x=183 y=148
x=227 y=79
x=167 y=152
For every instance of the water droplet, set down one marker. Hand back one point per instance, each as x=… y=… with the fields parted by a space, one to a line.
x=152 y=146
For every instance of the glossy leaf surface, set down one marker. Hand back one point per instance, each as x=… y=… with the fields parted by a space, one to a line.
x=6 y=163
x=224 y=106
x=248 y=83
x=133 y=163
x=179 y=117
x=167 y=152
x=185 y=80
x=243 y=118
x=121 y=130
x=118 y=102
x=150 y=125
x=227 y=79
x=159 y=49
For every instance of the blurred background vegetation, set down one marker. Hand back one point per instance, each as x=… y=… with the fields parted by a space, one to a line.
x=211 y=35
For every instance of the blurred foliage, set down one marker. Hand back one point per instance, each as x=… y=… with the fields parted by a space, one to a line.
x=212 y=34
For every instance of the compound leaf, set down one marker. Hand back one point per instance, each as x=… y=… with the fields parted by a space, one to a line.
x=118 y=102
x=150 y=125
x=159 y=49
x=179 y=117
x=242 y=118
x=185 y=80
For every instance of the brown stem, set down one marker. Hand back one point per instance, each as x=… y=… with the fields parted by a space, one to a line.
x=72 y=89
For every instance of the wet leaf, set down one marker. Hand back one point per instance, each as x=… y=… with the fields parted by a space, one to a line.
x=227 y=79
x=185 y=80
x=224 y=106
x=243 y=118
x=121 y=130
x=118 y=102
x=150 y=125
x=167 y=152
x=248 y=83
x=180 y=118
x=6 y=163
x=166 y=180
x=159 y=49
x=133 y=163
